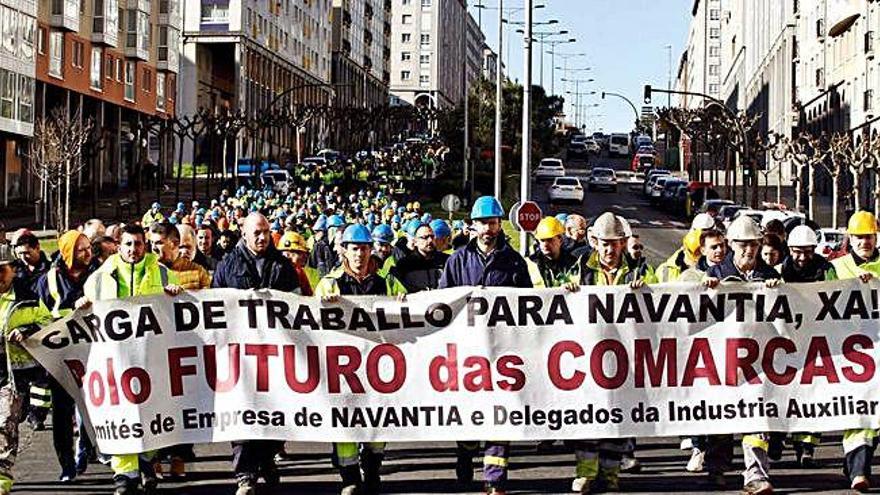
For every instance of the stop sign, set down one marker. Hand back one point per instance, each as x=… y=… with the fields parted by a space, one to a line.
x=528 y=216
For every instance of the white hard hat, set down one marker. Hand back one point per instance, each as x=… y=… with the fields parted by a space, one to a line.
x=802 y=236
x=744 y=228
x=608 y=227
x=703 y=221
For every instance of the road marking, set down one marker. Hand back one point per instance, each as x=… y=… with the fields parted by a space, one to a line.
x=624 y=208
x=680 y=225
x=656 y=223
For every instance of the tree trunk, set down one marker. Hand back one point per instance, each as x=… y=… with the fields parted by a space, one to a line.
x=857 y=192
x=835 y=191
x=811 y=191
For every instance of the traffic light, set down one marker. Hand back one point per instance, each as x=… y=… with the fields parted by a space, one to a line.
x=647 y=94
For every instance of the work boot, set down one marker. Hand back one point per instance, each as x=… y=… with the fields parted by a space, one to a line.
x=246 y=486
x=123 y=485
x=580 y=485
x=629 y=464
x=757 y=487
x=371 y=462
x=351 y=480
x=464 y=468
x=860 y=484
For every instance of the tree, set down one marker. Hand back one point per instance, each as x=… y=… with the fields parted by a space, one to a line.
x=807 y=152
x=56 y=155
x=835 y=165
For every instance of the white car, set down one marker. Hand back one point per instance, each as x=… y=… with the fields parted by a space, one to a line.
x=549 y=168
x=602 y=178
x=592 y=146
x=618 y=144
x=629 y=177
x=566 y=189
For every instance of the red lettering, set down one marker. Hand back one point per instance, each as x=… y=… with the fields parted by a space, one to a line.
x=176 y=370
x=773 y=345
x=862 y=359
x=554 y=369
x=77 y=370
x=143 y=378
x=644 y=359
x=450 y=364
x=312 y=364
x=96 y=394
x=111 y=383
x=347 y=370
x=700 y=350
x=597 y=358
x=397 y=359
x=819 y=349
x=735 y=362
x=480 y=378
x=232 y=375
x=507 y=367
x=262 y=352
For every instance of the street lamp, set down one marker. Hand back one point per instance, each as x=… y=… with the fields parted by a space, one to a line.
x=525 y=166
x=565 y=71
x=577 y=93
x=553 y=44
x=542 y=35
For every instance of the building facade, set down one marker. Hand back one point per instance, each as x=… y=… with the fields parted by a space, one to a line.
x=703 y=52
x=435 y=45
x=255 y=55
x=361 y=54
x=17 y=72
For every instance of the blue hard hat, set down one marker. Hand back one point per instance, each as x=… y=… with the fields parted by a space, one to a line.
x=276 y=225
x=172 y=220
x=156 y=206
x=487 y=207
x=383 y=233
x=335 y=221
x=201 y=211
x=441 y=228
x=426 y=218
x=413 y=226
x=458 y=224
x=320 y=223
x=180 y=205
x=401 y=210
x=395 y=219
x=199 y=220
x=357 y=234
x=562 y=217
x=371 y=218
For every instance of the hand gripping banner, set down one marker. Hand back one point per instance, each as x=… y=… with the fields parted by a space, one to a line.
x=470 y=364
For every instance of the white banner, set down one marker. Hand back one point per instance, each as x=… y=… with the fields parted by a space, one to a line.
x=469 y=364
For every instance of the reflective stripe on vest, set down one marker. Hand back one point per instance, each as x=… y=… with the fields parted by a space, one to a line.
x=52 y=281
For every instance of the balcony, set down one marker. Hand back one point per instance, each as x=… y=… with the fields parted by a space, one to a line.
x=169 y=14
x=105 y=23
x=137 y=36
x=168 y=50
x=140 y=5
x=65 y=15
x=868 y=100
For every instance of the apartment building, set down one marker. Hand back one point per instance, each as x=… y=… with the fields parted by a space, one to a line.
x=703 y=52
x=361 y=53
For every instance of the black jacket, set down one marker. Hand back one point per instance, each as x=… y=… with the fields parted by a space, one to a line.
x=418 y=273
x=729 y=272
x=815 y=271
x=322 y=258
x=207 y=262
x=238 y=270
x=29 y=277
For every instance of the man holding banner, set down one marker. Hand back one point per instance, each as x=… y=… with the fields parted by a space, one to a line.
x=254 y=263
x=862 y=262
x=487 y=260
x=358 y=276
x=129 y=273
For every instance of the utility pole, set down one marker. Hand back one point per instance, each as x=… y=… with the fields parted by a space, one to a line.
x=499 y=164
x=525 y=168
x=464 y=86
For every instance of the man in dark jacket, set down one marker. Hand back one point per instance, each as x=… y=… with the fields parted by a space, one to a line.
x=31 y=261
x=323 y=258
x=254 y=263
x=61 y=291
x=422 y=267
x=207 y=254
x=487 y=260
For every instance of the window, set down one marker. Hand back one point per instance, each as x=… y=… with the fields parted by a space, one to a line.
x=8 y=88
x=713 y=89
x=108 y=67
x=129 y=81
x=869 y=100
x=405 y=37
x=425 y=59
x=405 y=75
x=56 y=53
x=820 y=77
x=405 y=56
x=215 y=13
x=160 y=91
x=713 y=70
x=426 y=39
x=714 y=33
x=118 y=70
x=41 y=41
x=715 y=14
x=77 y=55
x=147 y=81
x=95 y=73
x=10 y=30
x=714 y=51
x=406 y=19
x=424 y=79
x=820 y=28
x=27 y=28
x=426 y=3
x=25 y=99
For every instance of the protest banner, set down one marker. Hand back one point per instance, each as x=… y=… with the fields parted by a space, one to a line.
x=470 y=364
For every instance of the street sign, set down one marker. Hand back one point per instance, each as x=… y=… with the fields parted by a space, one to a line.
x=450 y=203
x=528 y=216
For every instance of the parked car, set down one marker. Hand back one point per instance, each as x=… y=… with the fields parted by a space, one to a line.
x=566 y=189
x=651 y=177
x=728 y=213
x=549 y=168
x=602 y=178
x=592 y=146
x=629 y=177
x=601 y=139
x=642 y=140
x=577 y=151
x=280 y=180
x=657 y=186
x=715 y=205
x=670 y=187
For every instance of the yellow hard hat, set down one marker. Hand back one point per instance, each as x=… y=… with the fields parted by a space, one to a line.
x=416 y=205
x=548 y=228
x=691 y=243
x=862 y=223
x=292 y=241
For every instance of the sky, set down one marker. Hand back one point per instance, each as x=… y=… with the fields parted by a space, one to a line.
x=624 y=42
